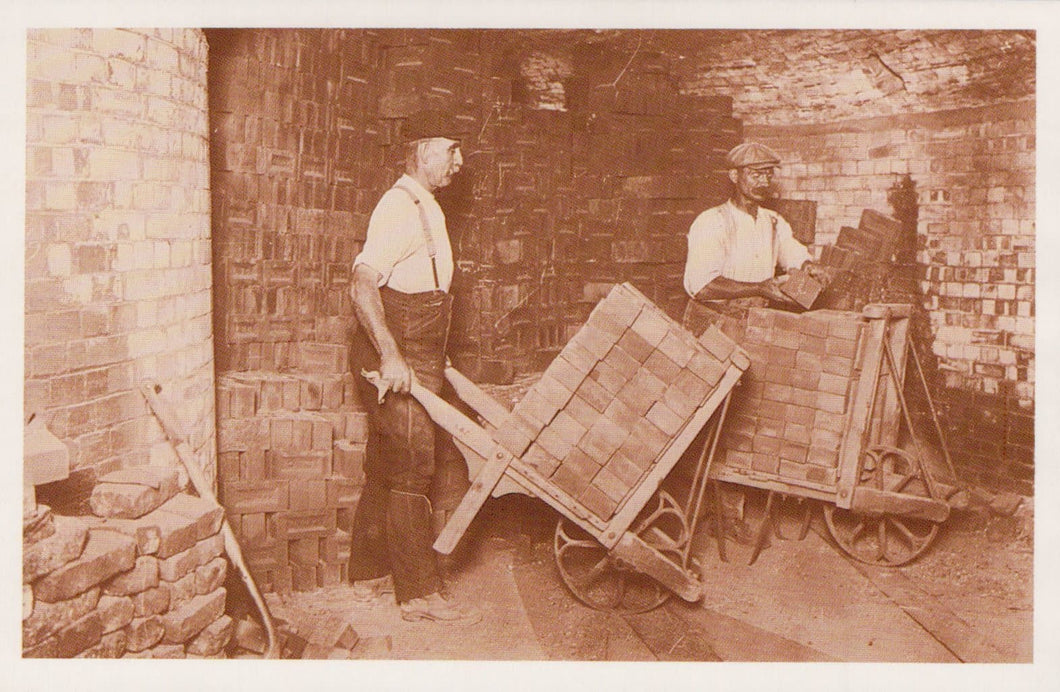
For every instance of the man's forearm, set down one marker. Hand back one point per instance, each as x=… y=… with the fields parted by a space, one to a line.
x=368 y=306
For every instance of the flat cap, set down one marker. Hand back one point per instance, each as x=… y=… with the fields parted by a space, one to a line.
x=431 y=123
x=751 y=154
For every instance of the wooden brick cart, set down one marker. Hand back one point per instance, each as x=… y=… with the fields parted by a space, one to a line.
x=822 y=414
x=594 y=438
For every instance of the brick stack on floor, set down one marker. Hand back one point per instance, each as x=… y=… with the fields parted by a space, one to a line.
x=791 y=410
x=610 y=403
x=290 y=467
x=143 y=578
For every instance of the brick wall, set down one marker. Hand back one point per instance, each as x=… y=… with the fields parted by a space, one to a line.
x=118 y=276
x=966 y=139
x=974 y=173
x=583 y=168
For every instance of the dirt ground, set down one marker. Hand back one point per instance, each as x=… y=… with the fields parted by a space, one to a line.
x=968 y=598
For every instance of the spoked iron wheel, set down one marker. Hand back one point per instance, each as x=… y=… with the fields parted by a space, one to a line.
x=602 y=581
x=884 y=539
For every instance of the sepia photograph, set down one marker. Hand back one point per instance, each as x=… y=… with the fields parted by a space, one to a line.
x=376 y=340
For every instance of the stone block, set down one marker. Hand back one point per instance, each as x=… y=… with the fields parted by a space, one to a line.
x=115 y=612
x=173 y=568
x=132 y=493
x=143 y=633
x=180 y=591
x=111 y=645
x=105 y=554
x=212 y=639
x=153 y=601
x=70 y=640
x=192 y=617
x=49 y=618
x=56 y=550
x=161 y=651
x=143 y=531
x=206 y=514
x=211 y=576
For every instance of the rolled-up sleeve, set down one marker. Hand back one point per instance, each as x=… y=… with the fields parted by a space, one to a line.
x=389 y=240
x=791 y=254
x=706 y=251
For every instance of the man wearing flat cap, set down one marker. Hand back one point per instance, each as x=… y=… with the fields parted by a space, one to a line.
x=734 y=249
x=400 y=292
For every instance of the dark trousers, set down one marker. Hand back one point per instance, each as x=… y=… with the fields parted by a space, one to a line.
x=391 y=532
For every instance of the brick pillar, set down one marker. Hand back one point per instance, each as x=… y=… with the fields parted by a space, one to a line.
x=118 y=267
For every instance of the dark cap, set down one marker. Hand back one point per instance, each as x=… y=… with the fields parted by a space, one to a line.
x=751 y=154
x=431 y=123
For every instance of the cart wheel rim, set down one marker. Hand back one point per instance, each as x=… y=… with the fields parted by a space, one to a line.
x=604 y=583
x=885 y=540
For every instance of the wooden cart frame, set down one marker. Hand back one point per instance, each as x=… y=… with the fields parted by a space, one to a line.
x=887 y=501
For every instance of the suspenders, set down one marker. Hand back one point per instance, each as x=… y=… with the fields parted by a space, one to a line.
x=427 y=237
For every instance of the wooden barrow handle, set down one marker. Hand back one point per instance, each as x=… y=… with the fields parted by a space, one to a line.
x=177 y=438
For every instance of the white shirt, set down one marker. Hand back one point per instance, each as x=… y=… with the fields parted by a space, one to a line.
x=395 y=245
x=727 y=241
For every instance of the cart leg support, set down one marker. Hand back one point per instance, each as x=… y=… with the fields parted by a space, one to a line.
x=643 y=558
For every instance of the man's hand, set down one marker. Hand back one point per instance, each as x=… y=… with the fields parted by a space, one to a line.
x=395 y=373
x=818 y=272
x=770 y=288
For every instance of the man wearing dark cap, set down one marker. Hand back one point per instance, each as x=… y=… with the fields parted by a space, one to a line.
x=400 y=292
x=734 y=249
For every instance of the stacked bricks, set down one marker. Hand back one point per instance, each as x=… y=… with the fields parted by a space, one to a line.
x=142 y=580
x=965 y=137
x=291 y=452
x=971 y=173
x=612 y=400
x=118 y=253
x=864 y=263
x=567 y=201
x=296 y=170
x=791 y=411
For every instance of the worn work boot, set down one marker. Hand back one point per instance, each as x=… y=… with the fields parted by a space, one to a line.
x=372 y=590
x=438 y=607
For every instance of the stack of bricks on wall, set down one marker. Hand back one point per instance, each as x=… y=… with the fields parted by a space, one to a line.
x=142 y=578
x=613 y=399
